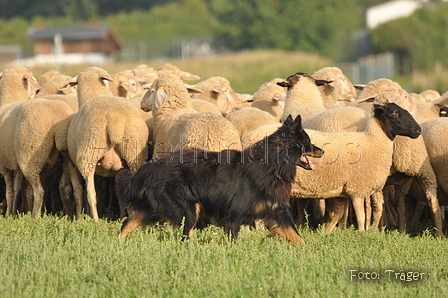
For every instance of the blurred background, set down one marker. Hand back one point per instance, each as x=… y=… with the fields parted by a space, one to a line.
x=248 y=41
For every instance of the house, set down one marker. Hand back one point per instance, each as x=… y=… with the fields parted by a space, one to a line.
x=391 y=10
x=9 y=53
x=73 y=44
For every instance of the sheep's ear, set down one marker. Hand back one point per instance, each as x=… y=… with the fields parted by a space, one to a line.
x=107 y=77
x=218 y=89
x=324 y=82
x=379 y=110
x=359 y=87
x=67 y=89
x=279 y=97
x=188 y=76
x=191 y=89
x=284 y=84
x=160 y=98
x=367 y=99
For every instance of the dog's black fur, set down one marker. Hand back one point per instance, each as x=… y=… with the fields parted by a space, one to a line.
x=232 y=188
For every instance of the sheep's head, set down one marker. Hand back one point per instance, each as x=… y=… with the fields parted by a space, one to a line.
x=168 y=68
x=163 y=88
x=292 y=80
x=394 y=95
x=18 y=80
x=396 y=121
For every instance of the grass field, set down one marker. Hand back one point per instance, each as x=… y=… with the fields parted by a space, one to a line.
x=57 y=257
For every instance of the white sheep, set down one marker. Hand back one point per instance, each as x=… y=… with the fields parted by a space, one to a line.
x=105 y=131
x=31 y=141
x=370 y=90
x=249 y=118
x=410 y=156
x=124 y=85
x=218 y=91
x=349 y=158
x=340 y=89
x=177 y=125
x=303 y=97
x=270 y=98
x=203 y=106
x=57 y=85
x=47 y=76
x=430 y=94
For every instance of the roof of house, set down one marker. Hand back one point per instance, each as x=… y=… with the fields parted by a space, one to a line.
x=71 y=33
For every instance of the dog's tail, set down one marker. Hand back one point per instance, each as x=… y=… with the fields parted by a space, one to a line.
x=123 y=186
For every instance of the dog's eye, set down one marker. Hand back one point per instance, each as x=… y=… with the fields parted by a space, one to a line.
x=394 y=113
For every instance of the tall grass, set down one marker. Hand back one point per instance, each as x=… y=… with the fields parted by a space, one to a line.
x=58 y=257
x=246 y=71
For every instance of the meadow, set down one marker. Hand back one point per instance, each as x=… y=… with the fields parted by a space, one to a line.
x=55 y=256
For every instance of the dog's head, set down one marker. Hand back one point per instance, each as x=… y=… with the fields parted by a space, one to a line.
x=293 y=134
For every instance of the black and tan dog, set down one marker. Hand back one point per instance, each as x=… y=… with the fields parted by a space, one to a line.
x=231 y=188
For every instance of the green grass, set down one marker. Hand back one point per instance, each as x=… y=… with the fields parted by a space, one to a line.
x=57 y=257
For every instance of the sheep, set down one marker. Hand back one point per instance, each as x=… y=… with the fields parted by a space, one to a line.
x=218 y=91
x=203 y=106
x=370 y=90
x=270 y=98
x=434 y=132
x=430 y=94
x=410 y=156
x=105 y=131
x=340 y=89
x=178 y=126
x=303 y=97
x=124 y=85
x=247 y=119
x=54 y=86
x=47 y=76
x=349 y=158
x=144 y=74
x=31 y=142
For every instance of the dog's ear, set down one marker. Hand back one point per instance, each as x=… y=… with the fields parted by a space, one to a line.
x=288 y=120
x=298 y=120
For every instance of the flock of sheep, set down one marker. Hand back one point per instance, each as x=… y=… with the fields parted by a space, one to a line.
x=68 y=137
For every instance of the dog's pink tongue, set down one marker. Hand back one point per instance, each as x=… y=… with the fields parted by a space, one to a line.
x=305 y=159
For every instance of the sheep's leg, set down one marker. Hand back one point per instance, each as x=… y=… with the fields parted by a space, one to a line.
x=433 y=202
x=91 y=196
x=344 y=220
x=368 y=206
x=75 y=178
x=334 y=211
x=38 y=194
x=377 y=200
x=18 y=178
x=65 y=191
x=401 y=208
x=9 y=184
x=359 y=207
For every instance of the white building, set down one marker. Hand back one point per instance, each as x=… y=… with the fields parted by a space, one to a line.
x=391 y=10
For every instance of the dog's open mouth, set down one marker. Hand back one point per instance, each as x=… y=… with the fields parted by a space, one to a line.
x=305 y=163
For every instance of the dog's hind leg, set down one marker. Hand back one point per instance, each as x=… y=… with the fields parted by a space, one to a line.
x=191 y=218
x=280 y=223
x=133 y=221
x=232 y=229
